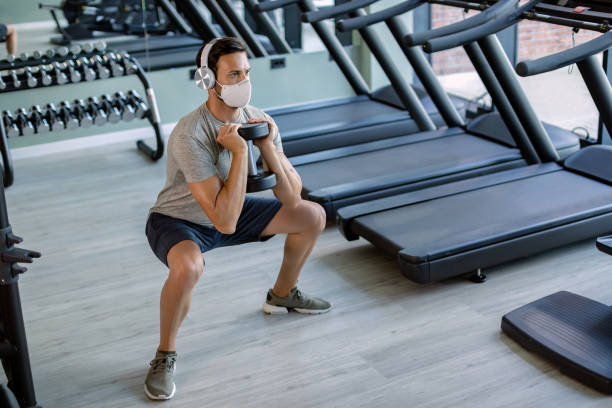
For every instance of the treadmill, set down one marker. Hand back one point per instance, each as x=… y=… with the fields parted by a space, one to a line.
x=492 y=142
x=369 y=116
x=461 y=227
x=572 y=331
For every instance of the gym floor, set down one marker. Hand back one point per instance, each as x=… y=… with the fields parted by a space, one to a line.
x=91 y=304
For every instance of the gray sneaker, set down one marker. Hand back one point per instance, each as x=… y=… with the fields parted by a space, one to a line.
x=298 y=301
x=159 y=384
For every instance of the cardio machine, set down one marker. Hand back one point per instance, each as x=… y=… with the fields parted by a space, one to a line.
x=461 y=227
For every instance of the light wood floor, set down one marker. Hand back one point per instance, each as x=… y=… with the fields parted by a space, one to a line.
x=91 y=310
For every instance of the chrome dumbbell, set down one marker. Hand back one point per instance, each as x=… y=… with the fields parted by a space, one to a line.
x=14 y=79
x=62 y=51
x=60 y=76
x=2 y=83
x=41 y=124
x=97 y=62
x=116 y=68
x=71 y=121
x=52 y=116
x=113 y=113
x=12 y=130
x=23 y=122
x=45 y=77
x=100 y=117
x=128 y=112
x=136 y=101
x=83 y=65
x=75 y=74
x=31 y=80
x=79 y=109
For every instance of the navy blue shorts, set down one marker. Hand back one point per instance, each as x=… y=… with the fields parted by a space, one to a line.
x=163 y=232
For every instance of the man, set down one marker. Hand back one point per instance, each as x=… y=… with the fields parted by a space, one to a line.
x=9 y=34
x=203 y=204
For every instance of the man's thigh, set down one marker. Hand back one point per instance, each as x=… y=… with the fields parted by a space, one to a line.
x=303 y=217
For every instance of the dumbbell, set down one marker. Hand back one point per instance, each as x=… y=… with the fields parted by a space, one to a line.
x=45 y=78
x=75 y=49
x=116 y=68
x=2 y=83
x=103 y=72
x=127 y=110
x=256 y=181
x=12 y=130
x=126 y=59
x=23 y=122
x=52 y=116
x=50 y=53
x=135 y=100
x=75 y=74
x=36 y=55
x=41 y=124
x=60 y=76
x=62 y=51
x=106 y=103
x=24 y=56
x=99 y=46
x=71 y=121
x=83 y=65
x=31 y=80
x=93 y=107
x=15 y=79
x=87 y=48
x=80 y=111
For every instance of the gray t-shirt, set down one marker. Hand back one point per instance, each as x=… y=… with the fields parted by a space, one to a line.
x=195 y=155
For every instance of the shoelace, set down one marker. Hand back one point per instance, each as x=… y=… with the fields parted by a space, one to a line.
x=163 y=363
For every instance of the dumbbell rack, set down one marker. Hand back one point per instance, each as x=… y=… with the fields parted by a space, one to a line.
x=13 y=343
x=28 y=74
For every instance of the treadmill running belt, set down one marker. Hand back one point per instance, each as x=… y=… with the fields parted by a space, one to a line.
x=303 y=123
x=432 y=243
x=341 y=177
x=573 y=331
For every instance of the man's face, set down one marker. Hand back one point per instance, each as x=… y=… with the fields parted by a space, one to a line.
x=233 y=68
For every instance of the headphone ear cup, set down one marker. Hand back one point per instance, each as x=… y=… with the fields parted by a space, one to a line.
x=204 y=78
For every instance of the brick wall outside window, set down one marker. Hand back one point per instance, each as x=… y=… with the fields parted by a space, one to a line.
x=535 y=39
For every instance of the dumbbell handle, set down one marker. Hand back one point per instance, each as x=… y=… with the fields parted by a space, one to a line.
x=251 y=159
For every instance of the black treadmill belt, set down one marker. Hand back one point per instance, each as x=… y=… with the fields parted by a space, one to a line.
x=298 y=124
x=441 y=227
x=345 y=176
x=573 y=331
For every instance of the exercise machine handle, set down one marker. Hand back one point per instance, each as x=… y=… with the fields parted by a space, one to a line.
x=565 y=58
x=272 y=5
x=331 y=12
x=501 y=21
x=356 y=23
x=483 y=17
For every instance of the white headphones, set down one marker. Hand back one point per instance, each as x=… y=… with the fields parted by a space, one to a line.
x=204 y=77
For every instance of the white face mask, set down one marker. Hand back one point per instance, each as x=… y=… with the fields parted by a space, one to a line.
x=237 y=95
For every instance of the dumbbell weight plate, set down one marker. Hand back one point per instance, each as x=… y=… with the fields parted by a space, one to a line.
x=253 y=131
x=262 y=181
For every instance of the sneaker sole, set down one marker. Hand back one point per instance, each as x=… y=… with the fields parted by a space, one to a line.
x=159 y=397
x=271 y=309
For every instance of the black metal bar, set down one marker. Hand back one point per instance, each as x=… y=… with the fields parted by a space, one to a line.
x=176 y=19
x=273 y=5
x=409 y=98
x=227 y=25
x=425 y=74
x=197 y=19
x=502 y=103
x=7 y=160
x=268 y=27
x=245 y=31
x=599 y=87
x=20 y=375
x=336 y=11
x=336 y=51
x=603 y=133
x=153 y=117
x=293 y=26
x=504 y=71
x=422 y=21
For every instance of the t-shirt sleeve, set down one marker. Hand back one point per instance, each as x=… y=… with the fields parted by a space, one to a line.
x=193 y=158
x=276 y=137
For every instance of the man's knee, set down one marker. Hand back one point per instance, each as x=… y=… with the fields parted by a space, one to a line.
x=315 y=215
x=187 y=271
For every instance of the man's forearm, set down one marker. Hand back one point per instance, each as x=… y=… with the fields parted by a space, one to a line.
x=288 y=186
x=230 y=199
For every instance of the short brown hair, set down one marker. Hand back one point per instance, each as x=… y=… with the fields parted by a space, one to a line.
x=222 y=46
